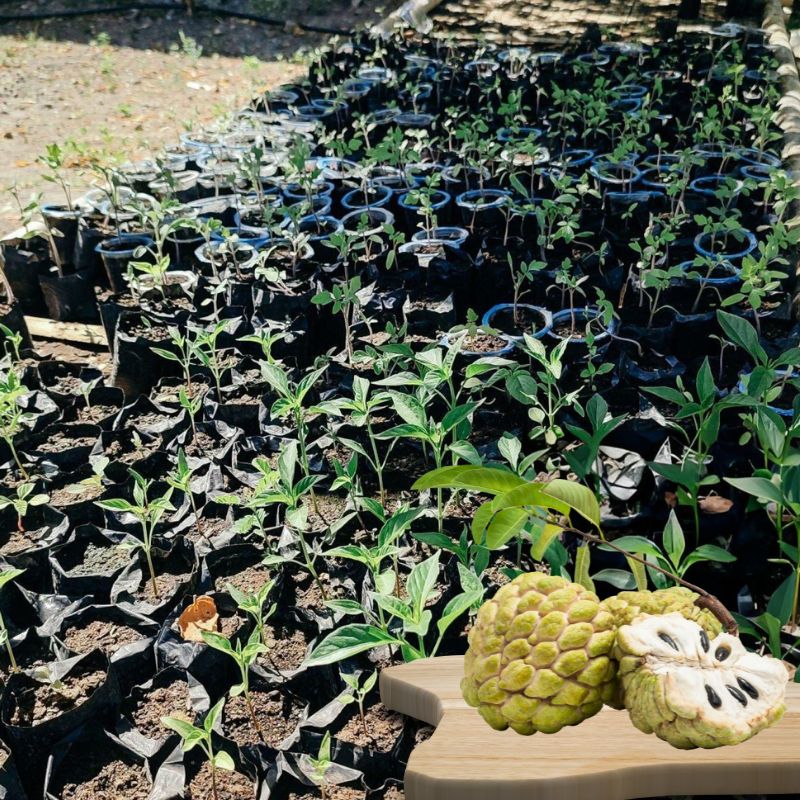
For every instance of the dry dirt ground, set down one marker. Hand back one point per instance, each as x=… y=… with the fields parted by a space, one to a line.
x=116 y=87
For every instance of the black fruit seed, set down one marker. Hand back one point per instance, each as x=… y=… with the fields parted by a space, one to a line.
x=704 y=641
x=722 y=653
x=713 y=697
x=737 y=693
x=748 y=687
x=665 y=637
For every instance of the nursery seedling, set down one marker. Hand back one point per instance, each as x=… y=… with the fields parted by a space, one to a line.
x=180 y=478
x=54 y=160
x=192 y=736
x=583 y=460
x=183 y=353
x=672 y=557
x=253 y=604
x=12 y=343
x=344 y=298
x=321 y=765
x=22 y=501
x=358 y=693
x=244 y=657
x=13 y=418
x=412 y=614
x=6 y=576
x=148 y=511
x=293 y=403
x=206 y=350
x=362 y=407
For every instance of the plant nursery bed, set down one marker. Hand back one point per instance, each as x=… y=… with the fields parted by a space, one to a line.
x=569 y=265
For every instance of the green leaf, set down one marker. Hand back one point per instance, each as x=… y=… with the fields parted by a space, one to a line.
x=459 y=605
x=347 y=641
x=772 y=625
x=582 y=561
x=618 y=578
x=710 y=552
x=674 y=541
x=547 y=534
x=762 y=488
x=639 y=572
x=492 y=529
x=743 y=334
x=469 y=476
x=578 y=497
x=9 y=574
x=223 y=760
x=421 y=581
x=782 y=601
x=457 y=415
x=344 y=606
x=184 y=729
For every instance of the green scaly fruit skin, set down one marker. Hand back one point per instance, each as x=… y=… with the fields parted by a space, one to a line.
x=539 y=656
x=626 y=606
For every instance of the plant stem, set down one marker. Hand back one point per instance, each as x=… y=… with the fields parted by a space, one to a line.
x=706 y=600
x=12 y=660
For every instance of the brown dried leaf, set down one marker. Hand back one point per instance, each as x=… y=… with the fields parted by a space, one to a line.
x=200 y=616
x=714 y=504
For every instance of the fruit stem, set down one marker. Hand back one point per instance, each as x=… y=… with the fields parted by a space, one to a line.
x=706 y=600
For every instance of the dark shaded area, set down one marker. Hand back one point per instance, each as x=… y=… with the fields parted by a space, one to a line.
x=284 y=27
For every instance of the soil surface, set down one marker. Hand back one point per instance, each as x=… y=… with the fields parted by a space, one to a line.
x=249 y=580
x=41 y=703
x=332 y=793
x=166 y=585
x=123 y=85
x=85 y=779
x=165 y=701
x=287 y=648
x=230 y=786
x=108 y=636
x=278 y=715
x=379 y=731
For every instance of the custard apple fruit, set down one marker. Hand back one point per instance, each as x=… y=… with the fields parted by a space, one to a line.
x=626 y=606
x=539 y=656
x=693 y=690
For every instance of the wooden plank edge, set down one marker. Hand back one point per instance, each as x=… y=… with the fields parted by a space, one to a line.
x=81 y=332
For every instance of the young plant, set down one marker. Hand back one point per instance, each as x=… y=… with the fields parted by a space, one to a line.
x=148 y=511
x=357 y=694
x=180 y=478
x=22 y=501
x=293 y=403
x=192 y=736
x=205 y=348
x=344 y=298
x=13 y=417
x=412 y=616
x=583 y=459
x=6 y=576
x=244 y=657
x=419 y=425
x=319 y=767
x=12 y=344
x=254 y=604
x=672 y=557
x=362 y=408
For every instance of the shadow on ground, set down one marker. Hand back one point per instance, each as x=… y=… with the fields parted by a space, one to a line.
x=208 y=28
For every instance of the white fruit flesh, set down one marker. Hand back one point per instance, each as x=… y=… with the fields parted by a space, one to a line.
x=694 y=691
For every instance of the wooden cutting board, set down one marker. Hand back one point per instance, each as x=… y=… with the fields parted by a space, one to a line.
x=604 y=758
